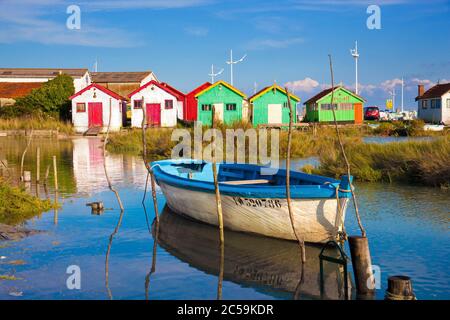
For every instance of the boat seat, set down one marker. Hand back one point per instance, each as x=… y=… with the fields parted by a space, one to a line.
x=242 y=182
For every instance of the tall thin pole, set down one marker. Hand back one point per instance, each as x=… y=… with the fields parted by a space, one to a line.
x=213 y=75
x=231 y=62
x=403 y=84
x=355 y=54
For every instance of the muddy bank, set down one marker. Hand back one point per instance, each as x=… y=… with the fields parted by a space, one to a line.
x=8 y=232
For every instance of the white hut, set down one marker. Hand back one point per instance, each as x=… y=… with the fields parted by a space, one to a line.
x=90 y=109
x=160 y=103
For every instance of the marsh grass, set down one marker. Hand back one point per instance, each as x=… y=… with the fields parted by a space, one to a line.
x=28 y=123
x=16 y=205
x=418 y=162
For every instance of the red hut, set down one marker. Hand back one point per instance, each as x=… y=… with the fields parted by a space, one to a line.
x=190 y=103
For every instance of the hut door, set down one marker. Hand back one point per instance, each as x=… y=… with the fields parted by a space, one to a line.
x=274 y=113
x=218 y=108
x=95 y=114
x=153 y=114
x=358 y=113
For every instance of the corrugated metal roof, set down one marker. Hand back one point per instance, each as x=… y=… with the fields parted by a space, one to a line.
x=119 y=77
x=15 y=90
x=40 y=72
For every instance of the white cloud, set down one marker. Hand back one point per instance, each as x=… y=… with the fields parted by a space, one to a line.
x=43 y=21
x=305 y=85
x=196 y=31
x=259 y=44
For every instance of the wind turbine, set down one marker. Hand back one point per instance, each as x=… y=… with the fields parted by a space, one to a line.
x=212 y=74
x=232 y=62
x=355 y=54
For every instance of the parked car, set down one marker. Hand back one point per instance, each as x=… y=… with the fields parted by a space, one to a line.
x=372 y=113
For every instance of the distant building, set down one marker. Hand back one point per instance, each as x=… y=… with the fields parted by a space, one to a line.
x=91 y=106
x=160 y=103
x=81 y=77
x=190 y=103
x=227 y=101
x=10 y=91
x=123 y=83
x=434 y=104
x=269 y=106
x=348 y=106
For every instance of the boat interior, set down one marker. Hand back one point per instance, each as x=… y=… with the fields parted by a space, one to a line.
x=245 y=174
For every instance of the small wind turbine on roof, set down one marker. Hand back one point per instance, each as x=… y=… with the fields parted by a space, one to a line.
x=232 y=62
x=212 y=74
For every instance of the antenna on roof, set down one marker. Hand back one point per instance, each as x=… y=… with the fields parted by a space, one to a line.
x=231 y=62
x=212 y=74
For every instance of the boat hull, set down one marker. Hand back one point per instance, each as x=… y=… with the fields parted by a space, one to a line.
x=316 y=220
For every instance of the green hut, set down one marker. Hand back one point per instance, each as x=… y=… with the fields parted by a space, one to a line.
x=269 y=106
x=348 y=106
x=227 y=101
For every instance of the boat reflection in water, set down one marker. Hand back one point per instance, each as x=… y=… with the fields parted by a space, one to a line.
x=266 y=264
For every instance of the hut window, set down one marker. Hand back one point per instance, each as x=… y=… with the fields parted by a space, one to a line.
x=168 y=104
x=231 y=106
x=433 y=104
x=345 y=106
x=138 y=104
x=206 y=107
x=438 y=103
x=81 y=107
x=327 y=106
x=424 y=104
x=448 y=103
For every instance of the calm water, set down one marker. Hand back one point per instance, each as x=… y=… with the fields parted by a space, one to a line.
x=407 y=228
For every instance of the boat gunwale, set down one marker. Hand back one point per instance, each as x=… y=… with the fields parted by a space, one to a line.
x=327 y=190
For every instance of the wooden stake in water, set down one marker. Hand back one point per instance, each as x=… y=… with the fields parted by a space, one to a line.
x=219 y=207
x=55 y=174
x=144 y=157
x=301 y=242
x=38 y=164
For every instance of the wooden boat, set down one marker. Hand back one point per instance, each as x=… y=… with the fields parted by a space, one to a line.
x=254 y=201
x=268 y=265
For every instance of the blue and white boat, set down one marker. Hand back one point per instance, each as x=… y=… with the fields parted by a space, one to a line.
x=254 y=201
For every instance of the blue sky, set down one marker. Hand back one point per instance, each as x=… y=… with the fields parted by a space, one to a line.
x=285 y=41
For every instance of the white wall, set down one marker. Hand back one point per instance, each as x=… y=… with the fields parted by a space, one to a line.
x=434 y=115
x=157 y=95
x=148 y=78
x=180 y=105
x=79 y=83
x=445 y=110
x=80 y=120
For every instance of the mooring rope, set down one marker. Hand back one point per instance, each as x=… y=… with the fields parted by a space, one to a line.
x=358 y=217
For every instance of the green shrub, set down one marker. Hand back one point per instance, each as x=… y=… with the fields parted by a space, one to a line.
x=52 y=100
